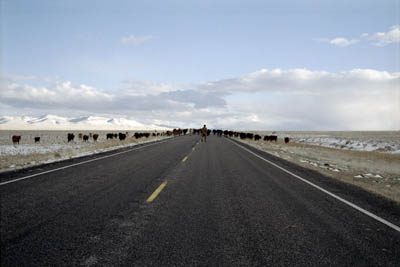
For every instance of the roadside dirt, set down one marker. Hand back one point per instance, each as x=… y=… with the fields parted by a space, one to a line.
x=376 y=172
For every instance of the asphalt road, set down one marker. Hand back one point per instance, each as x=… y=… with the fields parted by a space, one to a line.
x=219 y=205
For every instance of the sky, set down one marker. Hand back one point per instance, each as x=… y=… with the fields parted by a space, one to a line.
x=256 y=65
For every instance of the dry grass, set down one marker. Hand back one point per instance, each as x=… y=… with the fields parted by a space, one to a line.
x=343 y=165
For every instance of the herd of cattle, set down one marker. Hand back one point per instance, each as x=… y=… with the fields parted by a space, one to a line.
x=175 y=132
x=86 y=137
x=250 y=136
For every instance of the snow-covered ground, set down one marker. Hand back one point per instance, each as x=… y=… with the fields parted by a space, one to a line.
x=54 y=146
x=379 y=141
x=27 y=149
x=349 y=144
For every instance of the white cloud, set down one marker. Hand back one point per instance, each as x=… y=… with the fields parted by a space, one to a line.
x=136 y=87
x=300 y=99
x=384 y=38
x=377 y=39
x=303 y=81
x=135 y=40
x=58 y=94
x=339 y=41
x=342 y=42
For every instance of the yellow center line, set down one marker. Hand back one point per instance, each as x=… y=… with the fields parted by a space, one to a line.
x=184 y=159
x=155 y=193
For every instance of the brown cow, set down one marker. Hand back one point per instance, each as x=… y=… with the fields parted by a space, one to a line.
x=16 y=139
x=177 y=131
x=95 y=136
x=85 y=138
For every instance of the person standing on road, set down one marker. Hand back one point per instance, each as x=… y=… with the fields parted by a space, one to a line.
x=204 y=133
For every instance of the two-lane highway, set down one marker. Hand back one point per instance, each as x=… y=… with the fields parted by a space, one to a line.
x=189 y=203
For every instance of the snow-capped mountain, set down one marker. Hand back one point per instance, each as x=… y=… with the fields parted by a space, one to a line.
x=53 y=122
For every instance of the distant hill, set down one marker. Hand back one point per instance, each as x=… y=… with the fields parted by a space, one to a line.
x=53 y=122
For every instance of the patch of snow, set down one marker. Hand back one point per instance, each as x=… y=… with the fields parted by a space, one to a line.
x=389 y=146
x=26 y=149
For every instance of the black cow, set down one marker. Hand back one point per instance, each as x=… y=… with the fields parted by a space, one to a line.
x=249 y=135
x=121 y=136
x=71 y=137
x=273 y=138
x=286 y=140
x=85 y=138
x=257 y=137
x=37 y=139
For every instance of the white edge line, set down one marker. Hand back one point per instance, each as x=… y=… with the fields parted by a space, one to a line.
x=391 y=225
x=79 y=163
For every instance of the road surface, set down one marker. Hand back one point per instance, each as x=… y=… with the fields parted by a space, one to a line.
x=182 y=202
